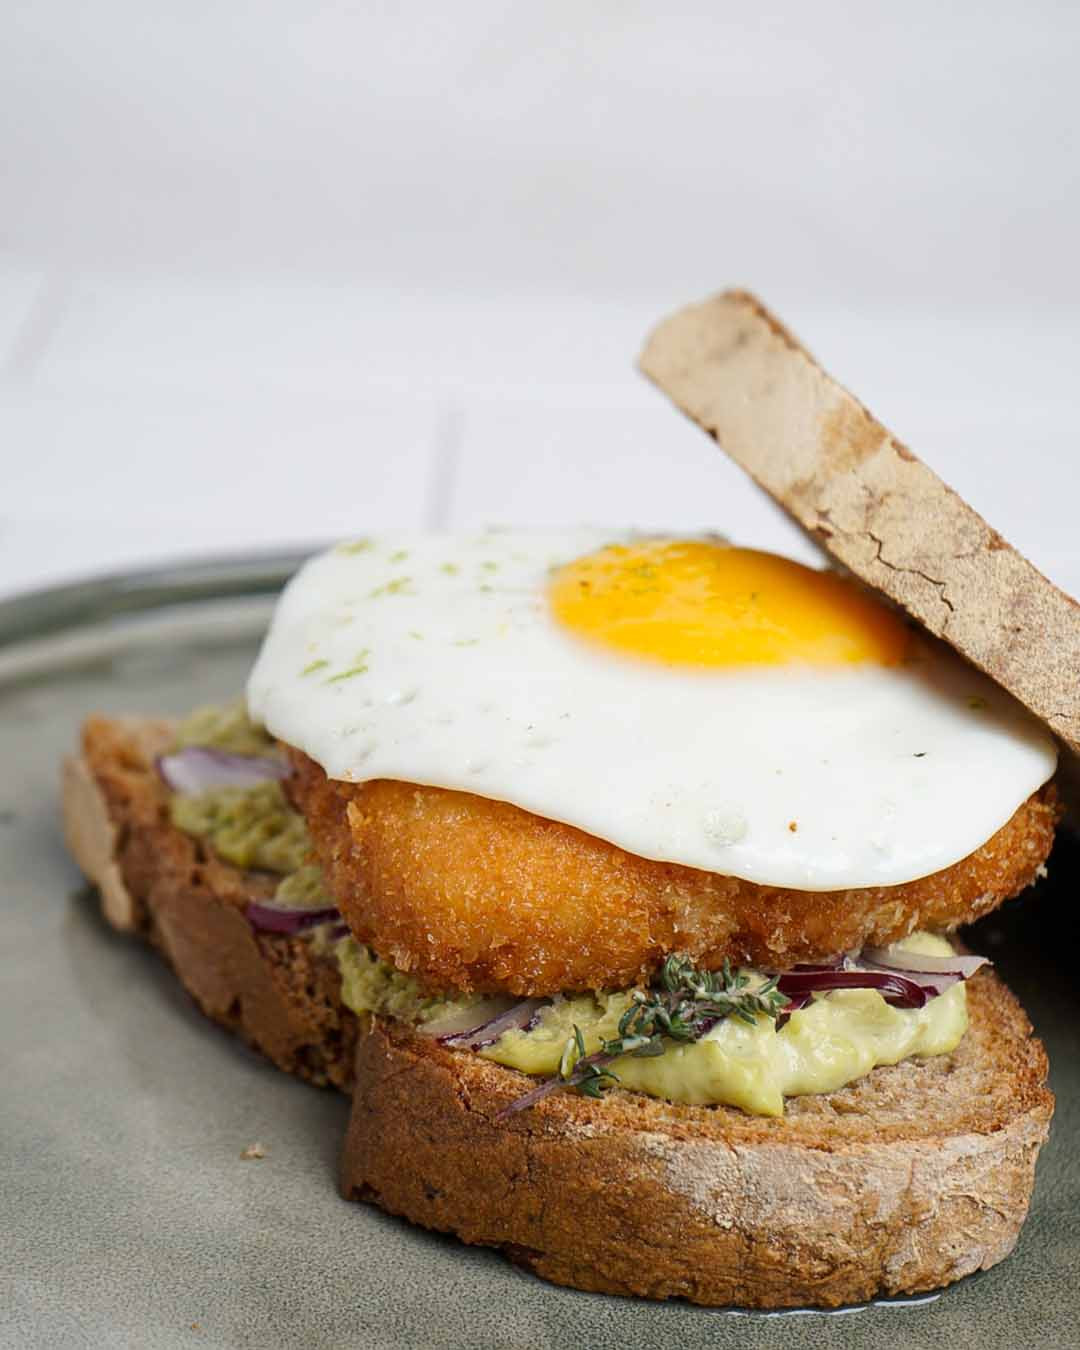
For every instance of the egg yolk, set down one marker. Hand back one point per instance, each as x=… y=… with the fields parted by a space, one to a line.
x=695 y=602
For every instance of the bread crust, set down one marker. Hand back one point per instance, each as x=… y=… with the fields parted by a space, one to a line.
x=908 y=1179
x=479 y=894
x=271 y=990
x=734 y=369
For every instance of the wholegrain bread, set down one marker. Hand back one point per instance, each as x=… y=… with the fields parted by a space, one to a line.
x=910 y=1178
x=274 y=991
x=736 y=371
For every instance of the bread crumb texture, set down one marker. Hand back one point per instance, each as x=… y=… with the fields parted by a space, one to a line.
x=474 y=894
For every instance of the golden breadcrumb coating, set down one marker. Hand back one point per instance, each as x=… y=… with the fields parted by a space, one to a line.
x=474 y=894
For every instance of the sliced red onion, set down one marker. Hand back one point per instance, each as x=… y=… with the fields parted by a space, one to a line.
x=894 y=988
x=911 y=963
x=485 y=1023
x=468 y=1019
x=200 y=768
x=904 y=979
x=271 y=918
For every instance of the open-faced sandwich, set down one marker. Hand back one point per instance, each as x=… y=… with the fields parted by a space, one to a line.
x=615 y=874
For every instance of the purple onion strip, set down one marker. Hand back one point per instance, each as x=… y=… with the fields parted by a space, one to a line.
x=200 y=768
x=274 y=919
x=891 y=985
x=913 y=963
x=904 y=979
x=521 y=1017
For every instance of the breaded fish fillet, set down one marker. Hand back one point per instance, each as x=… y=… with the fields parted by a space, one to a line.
x=474 y=894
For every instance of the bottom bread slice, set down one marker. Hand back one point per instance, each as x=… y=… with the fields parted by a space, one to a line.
x=908 y=1179
x=275 y=992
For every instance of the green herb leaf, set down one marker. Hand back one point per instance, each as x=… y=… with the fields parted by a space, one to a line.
x=398 y=586
x=359 y=668
x=683 y=1007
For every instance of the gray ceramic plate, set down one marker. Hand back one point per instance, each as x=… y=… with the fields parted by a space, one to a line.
x=127 y=1216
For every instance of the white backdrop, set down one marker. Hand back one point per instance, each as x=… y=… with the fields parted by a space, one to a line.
x=271 y=272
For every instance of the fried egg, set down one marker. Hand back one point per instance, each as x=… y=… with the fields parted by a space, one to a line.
x=686 y=700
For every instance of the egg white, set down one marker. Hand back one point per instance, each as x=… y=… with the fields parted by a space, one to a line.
x=434 y=659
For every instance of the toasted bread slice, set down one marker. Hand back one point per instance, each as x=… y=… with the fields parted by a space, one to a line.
x=274 y=991
x=906 y=1180
x=736 y=371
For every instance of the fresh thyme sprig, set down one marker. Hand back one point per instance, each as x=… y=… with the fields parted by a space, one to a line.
x=690 y=1001
x=685 y=1005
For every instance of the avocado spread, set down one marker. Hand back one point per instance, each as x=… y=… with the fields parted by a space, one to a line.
x=228 y=727
x=837 y=1038
x=303 y=889
x=249 y=826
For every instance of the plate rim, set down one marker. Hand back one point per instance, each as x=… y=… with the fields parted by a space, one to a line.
x=46 y=611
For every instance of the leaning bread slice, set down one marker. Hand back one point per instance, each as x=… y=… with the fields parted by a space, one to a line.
x=736 y=371
x=907 y=1179
x=278 y=993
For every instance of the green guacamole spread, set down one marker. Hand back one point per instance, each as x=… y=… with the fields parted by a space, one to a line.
x=248 y=827
x=836 y=1039
x=228 y=727
x=303 y=889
